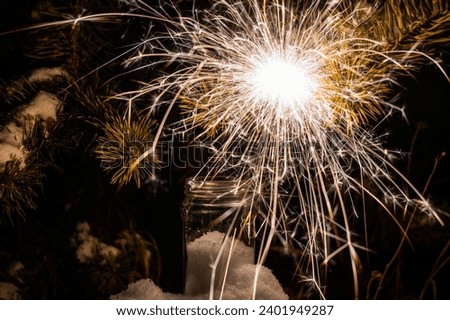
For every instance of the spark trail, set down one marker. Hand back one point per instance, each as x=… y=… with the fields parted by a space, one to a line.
x=287 y=94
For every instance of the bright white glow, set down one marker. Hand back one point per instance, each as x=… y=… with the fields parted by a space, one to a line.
x=285 y=83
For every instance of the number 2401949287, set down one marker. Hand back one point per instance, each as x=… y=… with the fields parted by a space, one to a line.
x=302 y=310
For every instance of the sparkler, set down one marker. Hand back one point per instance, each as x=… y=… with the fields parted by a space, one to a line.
x=286 y=95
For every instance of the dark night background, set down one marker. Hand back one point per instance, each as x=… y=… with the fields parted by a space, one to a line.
x=73 y=188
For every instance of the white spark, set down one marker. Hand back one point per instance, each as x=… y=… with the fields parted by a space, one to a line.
x=282 y=82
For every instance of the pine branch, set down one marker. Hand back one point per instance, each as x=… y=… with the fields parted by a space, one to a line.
x=122 y=144
x=77 y=37
x=18 y=189
x=402 y=25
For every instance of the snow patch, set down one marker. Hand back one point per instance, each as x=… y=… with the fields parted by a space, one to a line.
x=236 y=263
x=43 y=107
x=46 y=74
x=89 y=246
x=9 y=291
x=15 y=270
